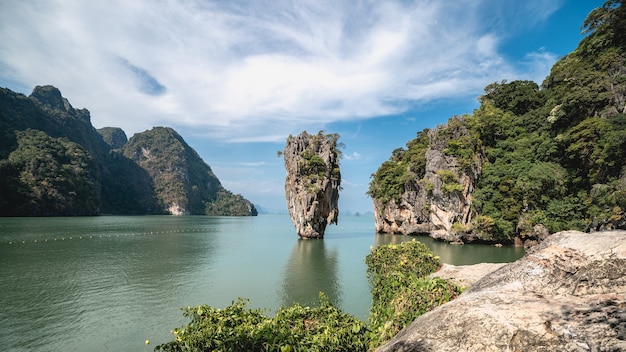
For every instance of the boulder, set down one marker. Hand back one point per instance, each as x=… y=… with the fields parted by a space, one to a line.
x=567 y=294
x=466 y=275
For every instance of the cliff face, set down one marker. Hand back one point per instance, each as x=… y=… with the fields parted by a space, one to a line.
x=184 y=184
x=437 y=197
x=54 y=162
x=312 y=182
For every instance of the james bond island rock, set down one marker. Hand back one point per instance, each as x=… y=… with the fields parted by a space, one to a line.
x=313 y=182
x=567 y=294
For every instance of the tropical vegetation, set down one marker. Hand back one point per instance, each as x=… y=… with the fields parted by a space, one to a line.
x=401 y=292
x=552 y=155
x=53 y=162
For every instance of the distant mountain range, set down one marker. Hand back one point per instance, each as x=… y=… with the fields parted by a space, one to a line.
x=53 y=162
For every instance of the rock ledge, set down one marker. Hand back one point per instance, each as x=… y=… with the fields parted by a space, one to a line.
x=566 y=294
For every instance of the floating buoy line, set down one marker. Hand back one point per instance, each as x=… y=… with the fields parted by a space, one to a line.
x=208 y=230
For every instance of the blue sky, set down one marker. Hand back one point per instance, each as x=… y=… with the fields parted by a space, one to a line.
x=235 y=78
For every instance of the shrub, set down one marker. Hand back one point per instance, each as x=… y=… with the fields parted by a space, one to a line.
x=296 y=328
x=484 y=226
x=401 y=292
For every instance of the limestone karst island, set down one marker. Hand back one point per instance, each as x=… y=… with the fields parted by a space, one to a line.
x=313 y=182
x=503 y=229
x=53 y=162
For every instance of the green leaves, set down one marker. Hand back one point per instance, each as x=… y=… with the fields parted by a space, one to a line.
x=400 y=291
x=404 y=167
x=49 y=176
x=296 y=328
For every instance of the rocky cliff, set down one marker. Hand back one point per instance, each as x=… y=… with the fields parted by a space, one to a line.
x=54 y=162
x=184 y=184
x=114 y=137
x=436 y=188
x=531 y=160
x=313 y=182
x=566 y=294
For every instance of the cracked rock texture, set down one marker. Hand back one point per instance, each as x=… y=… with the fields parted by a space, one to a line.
x=431 y=209
x=312 y=183
x=466 y=275
x=566 y=294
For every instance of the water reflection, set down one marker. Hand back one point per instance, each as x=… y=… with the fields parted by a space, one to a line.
x=311 y=268
x=110 y=283
x=459 y=254
x=113 y=279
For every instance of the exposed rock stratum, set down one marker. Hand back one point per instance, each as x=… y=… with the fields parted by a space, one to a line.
x=567 y=294
x=431 y=203
x=312 y=183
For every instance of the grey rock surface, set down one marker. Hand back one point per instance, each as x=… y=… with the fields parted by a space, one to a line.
x=566 y=294
x=431 y=209
x=312 y=182
x=466 y=275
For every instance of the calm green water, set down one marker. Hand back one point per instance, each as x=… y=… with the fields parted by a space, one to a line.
x=110 y=283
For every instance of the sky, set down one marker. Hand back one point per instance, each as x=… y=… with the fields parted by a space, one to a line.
x=236 y=78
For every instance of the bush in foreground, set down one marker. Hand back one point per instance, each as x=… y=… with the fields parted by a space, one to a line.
x=296 y=328
x=400 y=290
x=400 y=293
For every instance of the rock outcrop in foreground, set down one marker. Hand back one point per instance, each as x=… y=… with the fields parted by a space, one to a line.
x=312 y=182
x=566 y=294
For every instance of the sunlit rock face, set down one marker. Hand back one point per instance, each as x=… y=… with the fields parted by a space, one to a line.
x=433 y=202
x=567 y=294
x=312 y=183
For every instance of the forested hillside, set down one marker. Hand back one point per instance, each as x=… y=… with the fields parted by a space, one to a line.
x=184 y=183
x=54 y=162
x=531 y=159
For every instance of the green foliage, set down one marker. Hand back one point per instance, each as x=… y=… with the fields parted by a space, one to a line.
x=449 y=180
x=228 y=204
x=49 y=176
x=400 y=290
x=400 y=294
x=311 y=164
x=388 y=182
x=607 y=25
x=464 y=148
x=595 y=148
x=517 y=97
x=489 y=229
x=413 y=257
x=296 y=328
x=404 y=167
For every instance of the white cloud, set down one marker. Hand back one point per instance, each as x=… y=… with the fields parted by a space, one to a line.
x=352 y=156
x=257 y=70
